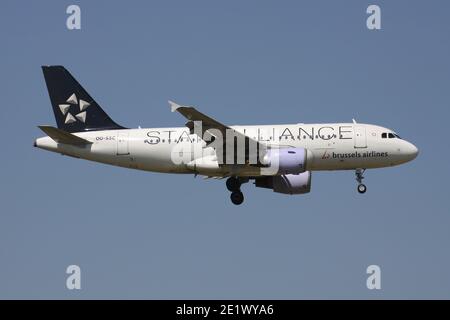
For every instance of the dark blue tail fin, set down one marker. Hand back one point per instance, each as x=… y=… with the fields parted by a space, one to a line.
x=75 y=110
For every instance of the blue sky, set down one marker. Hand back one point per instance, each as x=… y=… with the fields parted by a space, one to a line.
x=146 y=235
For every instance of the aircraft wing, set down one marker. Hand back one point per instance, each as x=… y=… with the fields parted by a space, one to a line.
x=208 y=124
x=193 y=114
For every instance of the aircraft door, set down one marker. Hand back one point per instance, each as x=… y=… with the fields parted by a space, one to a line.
x=122 y=142
x=360 y=137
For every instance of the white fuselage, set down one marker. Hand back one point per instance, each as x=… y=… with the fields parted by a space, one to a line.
x=337 y=146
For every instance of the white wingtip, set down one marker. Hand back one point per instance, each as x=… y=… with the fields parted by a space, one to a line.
x=173 y=106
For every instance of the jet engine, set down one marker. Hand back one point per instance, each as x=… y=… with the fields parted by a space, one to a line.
x=287 y=184
x=285 y=160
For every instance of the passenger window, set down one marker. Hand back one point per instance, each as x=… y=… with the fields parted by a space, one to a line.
x=391 y=135
x=383 y=135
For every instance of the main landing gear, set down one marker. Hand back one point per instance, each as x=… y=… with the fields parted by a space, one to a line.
x=234 y=185
x=359 y=177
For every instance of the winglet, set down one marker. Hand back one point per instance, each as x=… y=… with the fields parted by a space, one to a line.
x=174 y=106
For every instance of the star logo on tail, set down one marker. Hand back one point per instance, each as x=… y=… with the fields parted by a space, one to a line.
x=81 y=112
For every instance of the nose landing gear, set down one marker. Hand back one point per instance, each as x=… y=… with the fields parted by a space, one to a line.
x=234 y=185
x=359 y=177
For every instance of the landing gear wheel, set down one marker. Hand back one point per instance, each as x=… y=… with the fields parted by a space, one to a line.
x=237 y=197
x=362 y=188
x=359 y=177
x=233 y=184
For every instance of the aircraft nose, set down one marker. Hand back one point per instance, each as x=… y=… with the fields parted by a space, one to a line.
x=411 y=151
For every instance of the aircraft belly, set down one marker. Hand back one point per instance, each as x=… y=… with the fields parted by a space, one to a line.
x=156 y=158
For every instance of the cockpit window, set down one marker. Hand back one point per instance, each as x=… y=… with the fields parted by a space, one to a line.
x=389 y=135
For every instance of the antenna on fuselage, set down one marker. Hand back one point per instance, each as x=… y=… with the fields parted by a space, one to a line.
x=354 y=121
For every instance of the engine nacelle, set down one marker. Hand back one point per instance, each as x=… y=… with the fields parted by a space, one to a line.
x=285 y=161
x=287 y=184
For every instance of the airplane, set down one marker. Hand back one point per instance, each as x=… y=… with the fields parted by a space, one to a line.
x=277 y=157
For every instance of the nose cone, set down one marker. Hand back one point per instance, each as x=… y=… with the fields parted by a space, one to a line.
x=410 y=151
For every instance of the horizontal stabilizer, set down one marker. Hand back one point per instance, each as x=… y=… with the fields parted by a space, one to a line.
x=62 y=136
